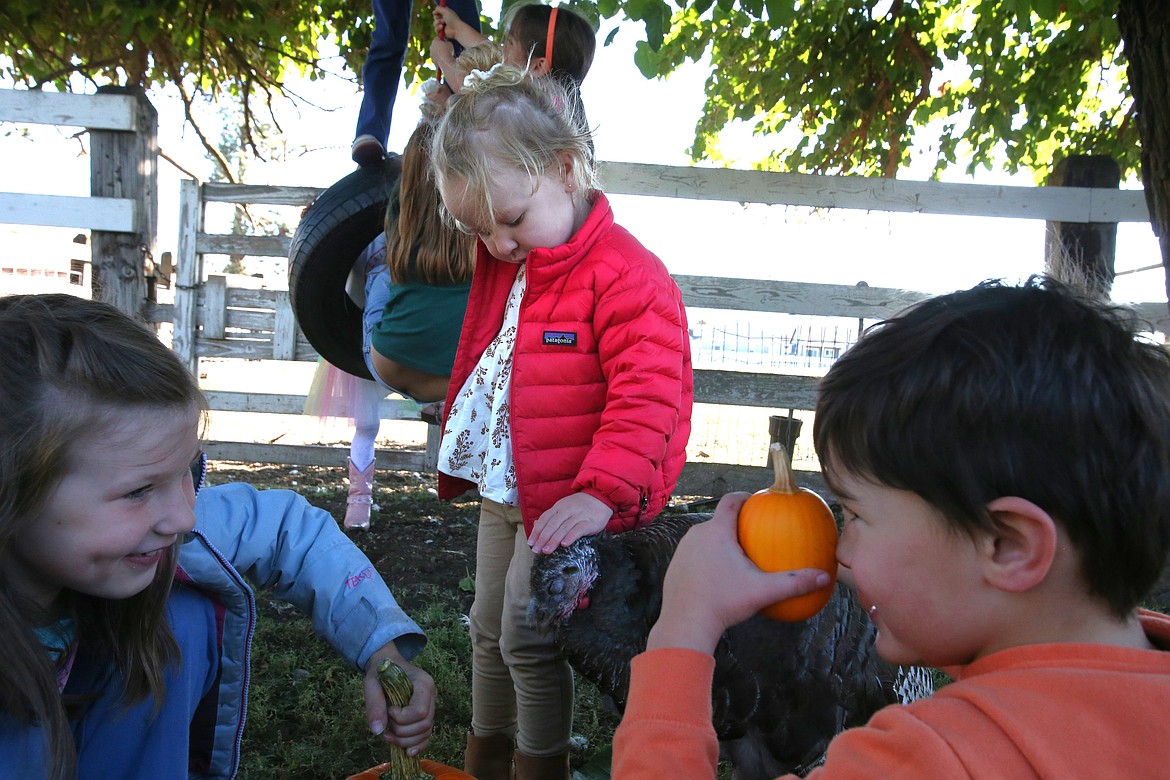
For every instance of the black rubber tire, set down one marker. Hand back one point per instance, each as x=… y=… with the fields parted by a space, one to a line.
x=333 y=231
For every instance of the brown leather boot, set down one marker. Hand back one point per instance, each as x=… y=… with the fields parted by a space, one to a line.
x=488 y=758
x=532 y=768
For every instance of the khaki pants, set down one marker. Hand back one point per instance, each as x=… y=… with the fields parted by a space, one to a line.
x=521 y=686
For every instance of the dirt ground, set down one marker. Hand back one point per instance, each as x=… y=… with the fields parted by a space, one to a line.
x=417 y=542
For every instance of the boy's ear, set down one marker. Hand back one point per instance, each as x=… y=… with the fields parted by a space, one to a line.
x=539 y=66
x=1022 y=548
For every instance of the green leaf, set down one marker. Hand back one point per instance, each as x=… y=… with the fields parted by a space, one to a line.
x=646 y=59
x=1014 y=81
x=656 y=27
x=639 y=9
x=1049 y=10
x=1021 y=9
x=780 y=12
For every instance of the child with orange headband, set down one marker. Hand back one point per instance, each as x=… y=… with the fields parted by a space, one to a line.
x=546 y=41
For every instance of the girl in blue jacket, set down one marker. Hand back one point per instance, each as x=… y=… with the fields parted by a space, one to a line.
x=127 y=618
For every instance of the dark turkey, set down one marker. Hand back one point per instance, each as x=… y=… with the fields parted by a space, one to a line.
x=781 y=690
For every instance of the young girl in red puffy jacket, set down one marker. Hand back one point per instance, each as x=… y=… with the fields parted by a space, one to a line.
x=569 y=405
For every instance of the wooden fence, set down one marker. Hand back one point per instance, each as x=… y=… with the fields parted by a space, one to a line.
x=121 y=210
x=212 y=318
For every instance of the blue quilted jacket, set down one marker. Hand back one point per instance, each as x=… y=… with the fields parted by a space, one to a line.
x=276 y=540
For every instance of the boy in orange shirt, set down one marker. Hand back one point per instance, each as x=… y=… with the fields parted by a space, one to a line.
x=1002 y=457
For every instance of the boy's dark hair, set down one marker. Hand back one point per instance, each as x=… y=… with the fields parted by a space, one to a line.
x=1032 y=391
x=574 y=39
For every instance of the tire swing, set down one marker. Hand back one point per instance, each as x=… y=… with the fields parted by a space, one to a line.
x=333 y=231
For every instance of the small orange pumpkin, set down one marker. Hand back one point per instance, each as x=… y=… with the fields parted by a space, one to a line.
x=786 y=527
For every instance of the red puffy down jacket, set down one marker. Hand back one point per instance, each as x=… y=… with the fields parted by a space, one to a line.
x=601 y=385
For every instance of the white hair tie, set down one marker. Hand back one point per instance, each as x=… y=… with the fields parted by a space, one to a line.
x=476 y=75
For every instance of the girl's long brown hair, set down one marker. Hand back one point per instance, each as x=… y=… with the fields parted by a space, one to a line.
x=67 y=361
x=421 y=246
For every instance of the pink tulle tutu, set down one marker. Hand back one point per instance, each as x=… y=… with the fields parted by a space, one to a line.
x=338 y=394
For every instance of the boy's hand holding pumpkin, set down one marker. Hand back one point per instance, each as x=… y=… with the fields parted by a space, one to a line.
x=785 y=527
x=711 y=584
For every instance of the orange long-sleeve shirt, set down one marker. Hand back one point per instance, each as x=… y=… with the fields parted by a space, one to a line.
x=1052 y=711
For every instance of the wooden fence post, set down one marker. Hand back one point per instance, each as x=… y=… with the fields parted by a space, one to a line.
x=1083 y=253
x=188 y=274
x=783 y=430
x=125 y=165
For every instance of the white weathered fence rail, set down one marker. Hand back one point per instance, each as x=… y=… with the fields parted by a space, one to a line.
x=1053 y=204
x=214 y=319
x=122 y=207
x=95 y=112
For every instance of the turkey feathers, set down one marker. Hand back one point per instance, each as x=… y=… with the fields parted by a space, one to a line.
x=780 y=691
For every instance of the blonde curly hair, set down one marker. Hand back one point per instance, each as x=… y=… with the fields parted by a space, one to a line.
x=506 y=118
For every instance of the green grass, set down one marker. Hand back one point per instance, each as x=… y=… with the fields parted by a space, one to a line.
x=306 y=719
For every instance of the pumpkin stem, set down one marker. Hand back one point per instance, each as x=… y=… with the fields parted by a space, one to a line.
x=782 y=465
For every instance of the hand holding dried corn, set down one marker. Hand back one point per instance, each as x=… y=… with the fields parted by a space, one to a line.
x=398 y=689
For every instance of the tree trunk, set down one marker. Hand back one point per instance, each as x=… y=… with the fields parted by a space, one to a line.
x=1145 y=32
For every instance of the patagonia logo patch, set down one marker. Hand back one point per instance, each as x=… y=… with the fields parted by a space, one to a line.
x=561 y=338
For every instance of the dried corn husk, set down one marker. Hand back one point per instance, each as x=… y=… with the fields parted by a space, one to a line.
x=398 y=689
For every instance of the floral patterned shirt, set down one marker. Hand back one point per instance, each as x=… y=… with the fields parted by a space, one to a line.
x=477 y=440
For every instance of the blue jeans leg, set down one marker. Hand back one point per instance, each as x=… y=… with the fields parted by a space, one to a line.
x=377 y=294
x=468 y=11
x=383 y=66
